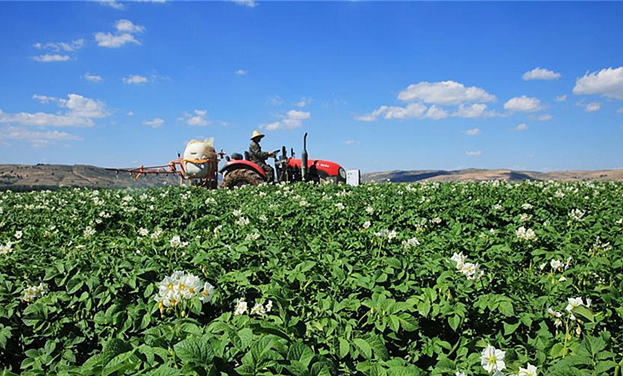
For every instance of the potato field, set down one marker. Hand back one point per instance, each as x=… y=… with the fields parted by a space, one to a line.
x=408 y=279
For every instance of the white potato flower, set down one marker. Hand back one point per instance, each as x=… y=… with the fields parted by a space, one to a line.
x=530 y=370
x=143 y=231
x=525 y=234
x=459 y=258
x=18 y=234
x=492 y=359
x=340 y=206
x=6 y=248
x=556 y=265
x=33 y=292
x=573 y=302
x=181 y=286
x=241 y=307
x=410 y=243
x=369 y=210
x=366 y=224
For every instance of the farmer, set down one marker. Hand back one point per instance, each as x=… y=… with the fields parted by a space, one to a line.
x=259 y=157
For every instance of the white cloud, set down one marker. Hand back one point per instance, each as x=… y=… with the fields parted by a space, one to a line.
x=154 y=123
x=592 y=107
x=544 y=117
x=561 y=98
x=61 y=46
x=110 y=40
x=246 y=3
x=475 y=110
x=79 y=112
x=303 y=102
x=48 y=58
x=412 y=110
x=198 y=118
x=472 y=132
x=92 y=77
x=350 y=142
x=292 y=119
x=435 y=112
x=523 y=104
x=123 y=35
x=135 y=80
x=112 y=3
x=444 y=92
x=476 y=153
x=607 y=82
x=540 y=74
x=241 y=72
x=126 y=26
x=620 y=110
x=521 y=127
x=35 y=138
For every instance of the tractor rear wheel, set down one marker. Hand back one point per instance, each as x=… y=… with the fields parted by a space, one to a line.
x=238 y=178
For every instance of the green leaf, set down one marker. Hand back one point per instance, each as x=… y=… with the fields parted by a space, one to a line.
x=344 y=347
x=506 y=308
x=364 y=347
x=194 y=350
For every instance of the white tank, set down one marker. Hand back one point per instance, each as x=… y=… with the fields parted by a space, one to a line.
x=196 y=155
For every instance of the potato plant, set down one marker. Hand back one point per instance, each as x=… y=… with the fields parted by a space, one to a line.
x=406 y=279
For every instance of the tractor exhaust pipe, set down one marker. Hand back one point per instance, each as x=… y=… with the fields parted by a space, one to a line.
x=304 y=159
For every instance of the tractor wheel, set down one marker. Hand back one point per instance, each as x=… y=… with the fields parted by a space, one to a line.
x=238 y=178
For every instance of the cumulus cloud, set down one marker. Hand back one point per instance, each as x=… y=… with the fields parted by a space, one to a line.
x=77 y=111
x=521 y=127
x=112 y=4
x=540 y=74
x=135 y=79
x=561 y=98
x=303 y=102
x=290 y=120
x=592 y=107
x=472 y=132
x=110 y=40
x=241 y=72
x=420 y=111
x=607 y=82
x=49 y=58
x=123 y=35
x=246 y=3
x=350 y=142
x=523 y=104
x=126 y=26
x=198 y=118
x=445 y=93
x=92 y=77
x=35 y=138
x=61 y=46
x=476 y=153
x=154 y=123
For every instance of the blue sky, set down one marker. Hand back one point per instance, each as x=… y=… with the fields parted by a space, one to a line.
x=378 y=85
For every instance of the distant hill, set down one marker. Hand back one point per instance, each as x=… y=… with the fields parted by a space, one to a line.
x=49 y=176
x=484 y=175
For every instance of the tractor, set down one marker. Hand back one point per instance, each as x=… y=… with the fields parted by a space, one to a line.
x=199 y=166
x=238 y=171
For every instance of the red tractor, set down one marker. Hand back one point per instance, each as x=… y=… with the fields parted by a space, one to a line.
x=239 y=171
x=199 y=167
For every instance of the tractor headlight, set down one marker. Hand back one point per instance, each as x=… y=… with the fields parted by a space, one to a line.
x=342 y=173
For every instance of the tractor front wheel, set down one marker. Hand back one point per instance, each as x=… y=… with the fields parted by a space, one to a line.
x=241 y=177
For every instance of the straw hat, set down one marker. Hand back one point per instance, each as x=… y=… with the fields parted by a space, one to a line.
x=256 y=134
